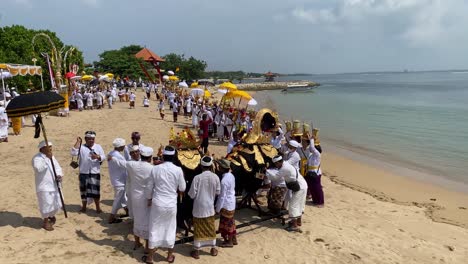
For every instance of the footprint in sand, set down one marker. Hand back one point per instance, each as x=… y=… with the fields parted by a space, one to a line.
x=433 y=199
x=355 y=256
x=462 y=208
x=450 y=248
x=319 y=240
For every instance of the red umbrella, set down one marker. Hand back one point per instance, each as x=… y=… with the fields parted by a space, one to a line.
x=68 y=75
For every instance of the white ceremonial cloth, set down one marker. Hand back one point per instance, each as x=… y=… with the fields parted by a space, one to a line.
x=3 y=123
x=138 y=175
x=203 y=191
x=88 y=165
x=163 y=227
x=227 y=197
x=276 y=179
x=117 y=174
x=294 y=159
x=46 y=189
x=164 y=182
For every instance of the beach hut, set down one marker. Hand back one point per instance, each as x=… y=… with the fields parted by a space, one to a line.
x=151 y=57
x=270 y=77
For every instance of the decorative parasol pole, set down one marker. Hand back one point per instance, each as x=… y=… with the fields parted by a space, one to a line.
x=53 y=166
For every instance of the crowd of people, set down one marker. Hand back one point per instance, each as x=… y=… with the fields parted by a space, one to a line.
x=147 y=186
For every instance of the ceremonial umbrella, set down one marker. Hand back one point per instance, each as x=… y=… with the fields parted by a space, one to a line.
x=77 y=77
x=183 y=84
x=194 y=85
x=69 y=75
x=173 y=78
x=36 y=103
x=165 y=78
x=207 y=94
x=170 y=73
x=197 y=92
x=110 y=75
x=252 y=102
x=87 y=78
x=228 y=86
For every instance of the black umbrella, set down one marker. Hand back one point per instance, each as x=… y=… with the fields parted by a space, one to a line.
x=36 y=103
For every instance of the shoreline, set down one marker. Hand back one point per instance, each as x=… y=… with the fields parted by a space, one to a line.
x=444 y=200
x=352 y=227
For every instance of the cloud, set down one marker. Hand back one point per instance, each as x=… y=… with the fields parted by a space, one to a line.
x=25 y=3
x=416 y=22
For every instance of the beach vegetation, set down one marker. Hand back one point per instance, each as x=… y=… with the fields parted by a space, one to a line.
x=121 y=62
x=186 y=69
x=16 y=48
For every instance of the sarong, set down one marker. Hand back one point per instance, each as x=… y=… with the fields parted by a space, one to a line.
x=276 y=198
x=227 y=224
x=120 y=199
x=16 y=124
x=314 y=184
x=162 y=227
x=132 y=103
x=90 y=186
x=204 y=232
x=297 y=203
x=49 y=203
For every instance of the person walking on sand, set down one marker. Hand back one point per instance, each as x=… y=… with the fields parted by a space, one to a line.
x=48 y=196
x=161 y=108
x=204 y=123
x=138 y=170
x=3 y=123
x=118 y=177
x=165 y=182
x=91 y=155
x=175 y=110
x=132 y=98
x=226 y=205
x=204 y=189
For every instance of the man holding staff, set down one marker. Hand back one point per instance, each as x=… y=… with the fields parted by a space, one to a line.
x=47 y=192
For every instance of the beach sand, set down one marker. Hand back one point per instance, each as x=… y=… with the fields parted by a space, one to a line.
x=359 y=224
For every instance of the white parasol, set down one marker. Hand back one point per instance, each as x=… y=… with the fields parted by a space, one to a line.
x=77 y=77
x=222 y=91
x=197 y=92
x=252 y=102
x=104 y=78
x=165 y=77
x=183 y=84
x=170 y=72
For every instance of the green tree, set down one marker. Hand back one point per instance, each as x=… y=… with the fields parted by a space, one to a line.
x=121 y=62
x=189 y=69
x=16 y=47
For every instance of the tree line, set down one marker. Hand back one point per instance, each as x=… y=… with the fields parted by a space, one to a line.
x=16 y=47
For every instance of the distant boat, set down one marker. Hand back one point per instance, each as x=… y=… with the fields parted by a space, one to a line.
x=297 y=87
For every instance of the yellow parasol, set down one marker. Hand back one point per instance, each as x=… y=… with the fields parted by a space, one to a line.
x=238 y=94
x=194 y=85
x=87 y=78
x=207 y=94
x=228 y=86
x=110 y=75
x=173 y=78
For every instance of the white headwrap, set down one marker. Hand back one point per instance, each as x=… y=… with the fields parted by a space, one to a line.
x=146 y=152
x=43 y=144
x=206 y=161
x=294 y=144
x=169 y=150
x=277 y=158
x=118 y=142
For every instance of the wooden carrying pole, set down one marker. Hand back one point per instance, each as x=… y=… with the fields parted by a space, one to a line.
x=53 y=166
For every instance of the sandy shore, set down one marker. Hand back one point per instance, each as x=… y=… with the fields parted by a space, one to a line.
x=354 y=227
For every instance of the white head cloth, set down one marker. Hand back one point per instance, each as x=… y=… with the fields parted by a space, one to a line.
x=206 y=161
x=118 y=142
x=43 y=144
x=146 y=151
x=277 y=158
x=294 y=144
x=168 y=150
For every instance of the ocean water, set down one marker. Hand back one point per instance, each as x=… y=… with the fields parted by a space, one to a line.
x=418 y=120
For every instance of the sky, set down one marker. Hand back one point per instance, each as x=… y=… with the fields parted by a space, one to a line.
x=285 y=36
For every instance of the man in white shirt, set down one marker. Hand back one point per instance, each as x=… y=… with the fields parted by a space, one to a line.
x=277 y=191
x=298 y=199
x=135 y=137
x=138 y=171
x=47 y=191
x=165 y=181
x=226 y=205
x=203 y=191
x=291 y=156
x=118 y=177
x=91 y=156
